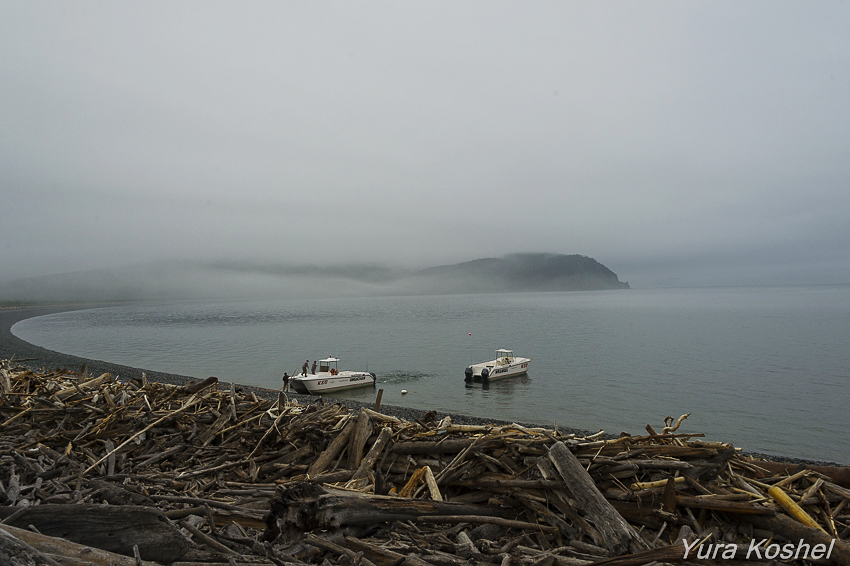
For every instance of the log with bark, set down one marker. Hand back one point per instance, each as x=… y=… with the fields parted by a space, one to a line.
x=116 y=528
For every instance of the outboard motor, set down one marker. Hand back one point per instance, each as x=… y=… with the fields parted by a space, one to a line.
x=468 y=374
x=374 y=379
x=485 y=375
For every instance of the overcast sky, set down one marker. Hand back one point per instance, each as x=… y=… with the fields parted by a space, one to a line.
x=671 y=141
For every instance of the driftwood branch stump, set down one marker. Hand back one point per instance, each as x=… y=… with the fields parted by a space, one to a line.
x=618 y=535
x=115 y=528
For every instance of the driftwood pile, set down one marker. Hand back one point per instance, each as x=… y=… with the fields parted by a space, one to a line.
x=98 y=471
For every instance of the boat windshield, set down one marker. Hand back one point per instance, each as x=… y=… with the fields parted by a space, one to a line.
x=504 y=357
x=328 y=364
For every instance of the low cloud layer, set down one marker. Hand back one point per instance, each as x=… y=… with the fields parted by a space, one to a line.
x=676 y=143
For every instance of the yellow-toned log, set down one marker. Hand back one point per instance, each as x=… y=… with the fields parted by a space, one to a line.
x=432 y=485
x=793 y=509
x=415 y=481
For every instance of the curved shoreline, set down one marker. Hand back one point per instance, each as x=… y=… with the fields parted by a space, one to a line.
x=36 y=357
x=30 y=355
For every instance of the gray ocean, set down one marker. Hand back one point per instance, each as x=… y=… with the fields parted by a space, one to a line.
x=766 y=368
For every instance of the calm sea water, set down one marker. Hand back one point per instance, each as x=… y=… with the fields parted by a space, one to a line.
x=765 y=368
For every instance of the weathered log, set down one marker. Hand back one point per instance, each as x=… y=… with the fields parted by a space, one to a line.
x=160 y=456
x=83 y=387
x=723 y=505
x=619 y=536
x=372 y=457
x=380 y=417
x=198 y=385
x=68 y=552
x=383 y=556
x=433 y=488
x=416 y=479
x=306 y=507
x=448 y=473
x=668 y=450
x=273 y=429
x=537 y=557
x=658 y=483
x=359 y=436
x=204 y=538
x=5 y=381
x=210 y=502
x=490 y=482
x=793 y=509
x=673 y=553
x=310 y=538
x=116 y=528
x=449 y=446
x=250 y=519
x=335 y=446
x=116 y=495
x=489 y=520
x=209 y=435
x=839 y=474
x=560 y=500
x=210 y=470
x=662 y=464
x=638 y=514
x=15 y=552
x=332 y=477
x=795 y=531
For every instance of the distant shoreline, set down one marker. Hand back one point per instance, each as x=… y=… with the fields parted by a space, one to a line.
x=36 y=357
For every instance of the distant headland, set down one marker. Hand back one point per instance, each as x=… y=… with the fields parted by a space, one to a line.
x=518 y=273
x=242 y=279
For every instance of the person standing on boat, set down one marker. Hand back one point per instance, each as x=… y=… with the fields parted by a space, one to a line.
x=313 y=369
x=304 y=368
x=285 y=381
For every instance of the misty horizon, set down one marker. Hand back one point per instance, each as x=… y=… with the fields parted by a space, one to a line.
x=678 y=144
x=245 y=280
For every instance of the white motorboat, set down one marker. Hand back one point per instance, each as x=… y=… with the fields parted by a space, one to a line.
x=329 y=379
x=505 y=365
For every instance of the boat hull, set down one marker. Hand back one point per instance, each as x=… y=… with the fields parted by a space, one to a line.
x=486 y=372
x=315 y=384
